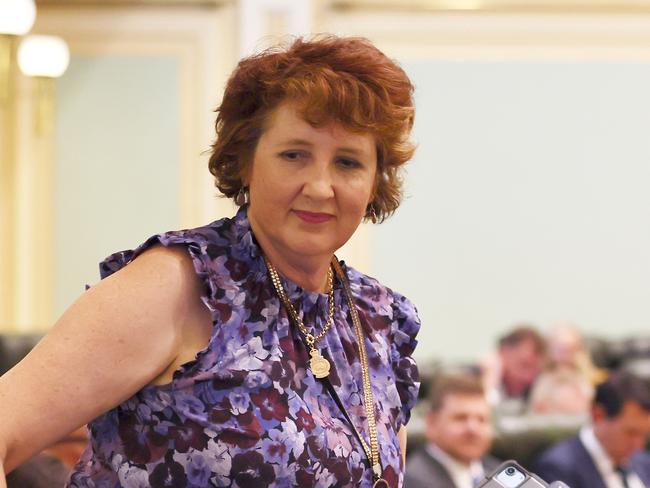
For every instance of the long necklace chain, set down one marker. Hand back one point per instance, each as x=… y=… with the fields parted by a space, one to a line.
x=372 y=451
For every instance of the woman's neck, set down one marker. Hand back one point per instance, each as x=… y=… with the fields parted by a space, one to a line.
x=310 y=273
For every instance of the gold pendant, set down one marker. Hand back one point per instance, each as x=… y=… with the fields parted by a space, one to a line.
x=318 y=364
x=380 y=483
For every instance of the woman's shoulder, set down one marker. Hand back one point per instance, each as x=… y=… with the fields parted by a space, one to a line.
x=394 y=317
x=386 y=309
x=371 y=290
x=212 y=240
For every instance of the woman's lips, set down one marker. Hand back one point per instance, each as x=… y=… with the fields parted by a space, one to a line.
x=313 y=217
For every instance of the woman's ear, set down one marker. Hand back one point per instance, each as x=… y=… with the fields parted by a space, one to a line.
x=246 y=170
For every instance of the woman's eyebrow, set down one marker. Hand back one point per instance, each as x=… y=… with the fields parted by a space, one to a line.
x=352 y=150
x=304 y=143
x=295 y=142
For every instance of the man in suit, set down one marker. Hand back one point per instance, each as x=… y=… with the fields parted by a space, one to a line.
x=608 y=453
x=459 y=434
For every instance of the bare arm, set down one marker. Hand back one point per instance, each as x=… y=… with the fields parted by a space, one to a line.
x=401 y=435
x=116 y=338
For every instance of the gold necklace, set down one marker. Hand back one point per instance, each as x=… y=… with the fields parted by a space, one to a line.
x=373 y=451
x=318 y=364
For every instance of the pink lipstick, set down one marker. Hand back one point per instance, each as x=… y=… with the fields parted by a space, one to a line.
x=313 y=217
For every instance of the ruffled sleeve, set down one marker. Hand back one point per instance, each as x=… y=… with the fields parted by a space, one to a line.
x=193 y=242
x=405 y=327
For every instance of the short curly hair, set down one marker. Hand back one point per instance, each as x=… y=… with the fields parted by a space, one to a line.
x=345 y=79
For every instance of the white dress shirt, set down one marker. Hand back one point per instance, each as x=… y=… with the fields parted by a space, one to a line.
x=604 y=464
x=461 y=474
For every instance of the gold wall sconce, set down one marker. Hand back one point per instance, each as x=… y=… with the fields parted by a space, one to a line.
x=44 y=58
x=16 y=19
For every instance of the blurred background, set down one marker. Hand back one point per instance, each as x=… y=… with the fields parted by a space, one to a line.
x=524 y=235
x=526 y=201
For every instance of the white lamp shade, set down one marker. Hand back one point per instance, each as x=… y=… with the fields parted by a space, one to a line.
x=43 y=56
x=17 y=16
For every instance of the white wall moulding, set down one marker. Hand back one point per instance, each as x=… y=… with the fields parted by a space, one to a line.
x=183 y=49
x=203 y=45
x=494 y=5
x=499 y=36
x=268 y=20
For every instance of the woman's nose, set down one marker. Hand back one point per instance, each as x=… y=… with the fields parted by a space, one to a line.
x=318 y=182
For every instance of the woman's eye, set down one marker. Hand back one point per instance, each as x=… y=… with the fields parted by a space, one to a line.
x=291 y=155
x=348 y=163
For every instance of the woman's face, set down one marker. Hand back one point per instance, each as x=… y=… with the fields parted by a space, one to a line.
x=309 y=187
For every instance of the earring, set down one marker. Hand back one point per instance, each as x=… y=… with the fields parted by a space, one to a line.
x=242 y=196
x=372 y=213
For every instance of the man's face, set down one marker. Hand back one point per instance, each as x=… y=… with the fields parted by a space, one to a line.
x=521 y=365
x=624 y=434
x=461 y=427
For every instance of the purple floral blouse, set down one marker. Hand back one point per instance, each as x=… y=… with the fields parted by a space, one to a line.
x=247 y=412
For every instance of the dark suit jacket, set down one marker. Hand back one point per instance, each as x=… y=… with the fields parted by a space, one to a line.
x=424 y=471
x=570 y=462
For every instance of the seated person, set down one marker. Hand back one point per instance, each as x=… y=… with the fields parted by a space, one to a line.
x=561 y=390
x=459 y=434
x=608 y=452
x=508 y=376
x=566 y=348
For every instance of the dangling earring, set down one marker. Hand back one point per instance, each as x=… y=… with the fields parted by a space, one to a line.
x=372 y=213
x=242 y=196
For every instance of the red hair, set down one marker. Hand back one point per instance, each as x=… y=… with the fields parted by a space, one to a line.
x=347 y=80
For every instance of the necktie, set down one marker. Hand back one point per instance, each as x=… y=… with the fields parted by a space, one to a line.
x=622 y=472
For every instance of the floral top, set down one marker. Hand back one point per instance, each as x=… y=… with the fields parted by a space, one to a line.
x=247 y=411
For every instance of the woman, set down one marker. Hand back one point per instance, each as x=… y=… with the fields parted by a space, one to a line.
x=243 y=353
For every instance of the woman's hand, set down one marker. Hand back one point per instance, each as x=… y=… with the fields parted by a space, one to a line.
x=120 y=335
